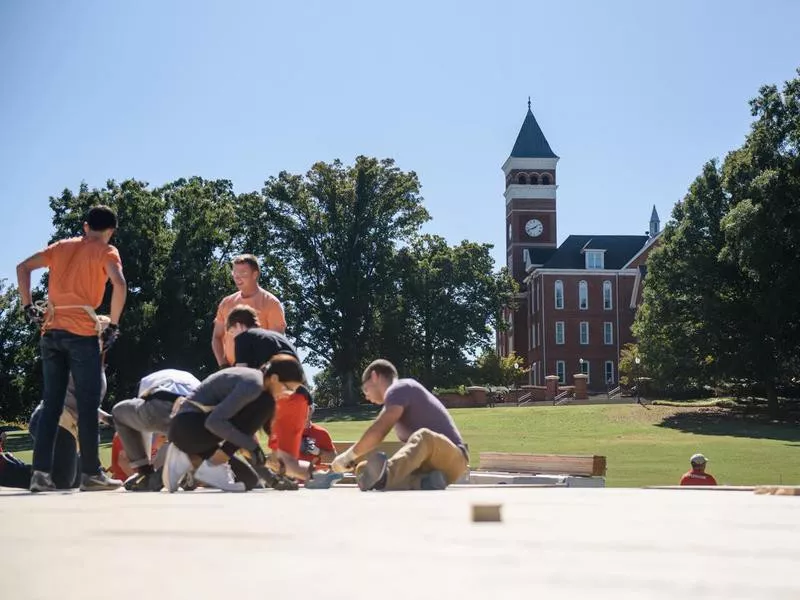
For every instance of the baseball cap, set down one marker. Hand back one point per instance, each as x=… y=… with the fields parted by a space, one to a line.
x=698 y=459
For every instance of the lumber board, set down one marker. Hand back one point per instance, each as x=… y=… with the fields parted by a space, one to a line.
x=552 y=464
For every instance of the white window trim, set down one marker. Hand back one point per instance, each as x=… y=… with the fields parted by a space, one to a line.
x=584 y=324
x=563 y=333
x=562 y=378
x=595 y=253
x=588 y=371
x=607 y=285
x=605 y=372
x=608 y=327
x=558 y=284
x=583 y=284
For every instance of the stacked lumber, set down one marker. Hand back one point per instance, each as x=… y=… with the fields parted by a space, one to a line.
x=553 y=464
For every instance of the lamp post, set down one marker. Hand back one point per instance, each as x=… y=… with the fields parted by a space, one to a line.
x=580 y=362
x=637 y=361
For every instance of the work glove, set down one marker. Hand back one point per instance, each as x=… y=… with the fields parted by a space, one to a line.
x=33 y=315
x=344 y=462
x=109 y=336
x=309 y=446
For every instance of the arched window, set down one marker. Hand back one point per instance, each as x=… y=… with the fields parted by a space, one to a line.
x=583 y=295
x=559 y=289
x=608 y=303
x=545 y=179
x=521 y=179
x=534 y=178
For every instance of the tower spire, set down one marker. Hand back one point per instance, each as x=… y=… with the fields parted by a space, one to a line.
x=529 y=102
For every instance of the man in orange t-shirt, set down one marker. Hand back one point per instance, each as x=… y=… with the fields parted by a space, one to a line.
x=698 y=475
x=72 y=341
x=246 y=270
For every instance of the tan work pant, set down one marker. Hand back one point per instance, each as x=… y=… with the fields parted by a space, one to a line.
x=425 y=451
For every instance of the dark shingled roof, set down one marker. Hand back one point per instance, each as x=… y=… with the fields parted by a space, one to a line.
x=540 y=256
x=531 y=142
x=620 y=249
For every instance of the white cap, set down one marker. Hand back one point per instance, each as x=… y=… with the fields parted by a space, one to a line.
x=698 y=459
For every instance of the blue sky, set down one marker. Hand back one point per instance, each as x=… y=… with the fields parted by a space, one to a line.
x=633 y=96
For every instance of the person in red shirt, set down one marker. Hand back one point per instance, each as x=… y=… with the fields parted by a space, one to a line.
x=697 y=475
x=317 y=446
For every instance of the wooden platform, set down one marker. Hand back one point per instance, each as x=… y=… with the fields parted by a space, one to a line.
x=344 y=544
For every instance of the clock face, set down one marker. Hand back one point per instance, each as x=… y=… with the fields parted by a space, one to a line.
x=534 y=228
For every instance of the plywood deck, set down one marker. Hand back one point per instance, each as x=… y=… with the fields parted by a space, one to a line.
x=342 y=543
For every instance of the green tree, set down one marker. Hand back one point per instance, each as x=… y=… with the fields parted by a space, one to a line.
x=720 y=299
x=762 y=237
x=447 y=301
x=336 y=229
x=493 y=369
x=20 y=367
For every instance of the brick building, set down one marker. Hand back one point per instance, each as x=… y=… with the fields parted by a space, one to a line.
x=577 y=301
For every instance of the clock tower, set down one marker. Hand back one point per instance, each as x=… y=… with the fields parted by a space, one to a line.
x=530 y=193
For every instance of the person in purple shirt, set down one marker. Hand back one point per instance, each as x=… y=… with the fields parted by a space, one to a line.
x=433 y=455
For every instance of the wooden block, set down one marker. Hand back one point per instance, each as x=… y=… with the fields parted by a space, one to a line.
x=486 y=513
x=552 y=464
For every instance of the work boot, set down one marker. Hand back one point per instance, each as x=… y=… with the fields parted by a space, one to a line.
x=435 y=480
x=144 y=482
x=42 y=482
x=99 y=482
x=372 y=474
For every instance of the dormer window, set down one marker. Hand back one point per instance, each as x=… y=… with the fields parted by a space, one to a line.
x=594 y=259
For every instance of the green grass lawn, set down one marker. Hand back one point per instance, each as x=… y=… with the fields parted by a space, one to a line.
x=644 y=445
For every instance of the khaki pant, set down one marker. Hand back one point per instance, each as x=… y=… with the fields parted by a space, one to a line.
x=425 y=451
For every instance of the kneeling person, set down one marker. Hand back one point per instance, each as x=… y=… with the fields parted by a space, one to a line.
x=223 y=416
x=138 y=418
x=434 y=455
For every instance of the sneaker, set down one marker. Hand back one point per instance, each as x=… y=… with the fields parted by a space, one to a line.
x=373 y=471
x=218 y=476
x=435 y=480
x=176 y=465
x=42 y=482
x=323 y=481
x=144 y=482
x=99 y=482
x=189 y=483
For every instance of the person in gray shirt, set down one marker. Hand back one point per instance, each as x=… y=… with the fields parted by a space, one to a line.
x=223 y=416
x=434 y=454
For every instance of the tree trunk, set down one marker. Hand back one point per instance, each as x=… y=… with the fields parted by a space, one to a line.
x=351 y=396
x=772 y=399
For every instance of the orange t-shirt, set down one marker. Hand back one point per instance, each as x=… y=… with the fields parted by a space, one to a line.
x=291 y=414
x=269 y=309
x=77 y=278
x=697 y=478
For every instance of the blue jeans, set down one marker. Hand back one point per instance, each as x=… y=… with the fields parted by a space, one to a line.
x=63 y=352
